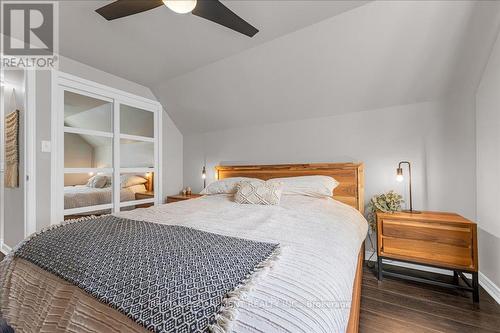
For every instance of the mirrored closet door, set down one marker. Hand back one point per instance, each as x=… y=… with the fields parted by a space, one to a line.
x=110 y=150
x=137 y=156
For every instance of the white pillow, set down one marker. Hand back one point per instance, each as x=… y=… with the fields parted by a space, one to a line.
x=224 y=186
x=97 y=181
x=137 y=188
x=258 y=192
x=131 y=180
x=313 y=186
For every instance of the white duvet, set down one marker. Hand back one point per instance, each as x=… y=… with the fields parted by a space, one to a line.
x=309 y=289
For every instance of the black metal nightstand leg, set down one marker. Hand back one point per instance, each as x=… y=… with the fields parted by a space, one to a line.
x=380 y=269
x=455 y=277
x=475 y=286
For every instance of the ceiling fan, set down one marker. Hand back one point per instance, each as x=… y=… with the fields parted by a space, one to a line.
x=212 y=10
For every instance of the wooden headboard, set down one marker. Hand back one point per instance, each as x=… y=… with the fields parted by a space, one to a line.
x=350 y=176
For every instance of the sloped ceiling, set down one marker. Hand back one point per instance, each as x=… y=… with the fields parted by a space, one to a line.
x=377 y=55
x=311 y=58
x=157 y=45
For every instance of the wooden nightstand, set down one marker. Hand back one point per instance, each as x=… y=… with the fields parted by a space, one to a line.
x=142 y=196
x=443 y=240
x=180 y=197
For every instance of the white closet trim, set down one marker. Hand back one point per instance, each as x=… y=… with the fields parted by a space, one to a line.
x=136 y=202
x=66 y=82
x=88 y=170
x=87 y=132
x=87 y=209
x=136 y=138
x=137 y=170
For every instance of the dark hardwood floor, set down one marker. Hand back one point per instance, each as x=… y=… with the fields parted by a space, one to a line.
x=397 y=306
x=394 y=305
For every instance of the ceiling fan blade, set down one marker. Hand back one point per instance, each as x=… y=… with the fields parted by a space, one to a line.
x=122 y=8
x=215 y=11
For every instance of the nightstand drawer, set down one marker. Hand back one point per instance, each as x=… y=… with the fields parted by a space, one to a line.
x=456 y=235
x=430 y=252
x=444 y=240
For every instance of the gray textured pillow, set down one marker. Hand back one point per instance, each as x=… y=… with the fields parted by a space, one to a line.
x=258 y=192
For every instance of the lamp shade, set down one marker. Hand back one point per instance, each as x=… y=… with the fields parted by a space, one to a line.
x=204 y=176
x=399 y=175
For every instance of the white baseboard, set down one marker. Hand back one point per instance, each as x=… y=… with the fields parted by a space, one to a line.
x=4 y=248
x=490 y=287
x=486 y=283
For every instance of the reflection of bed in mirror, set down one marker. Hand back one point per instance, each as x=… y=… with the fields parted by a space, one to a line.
x=99 y=191
x=83 y=195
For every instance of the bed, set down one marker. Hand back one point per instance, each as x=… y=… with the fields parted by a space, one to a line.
x=84 y=196
x=98 y=191
x=313 y=287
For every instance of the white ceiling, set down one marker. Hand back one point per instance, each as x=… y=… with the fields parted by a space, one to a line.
x=381 y=54
x=157 y=45
x=311 y=58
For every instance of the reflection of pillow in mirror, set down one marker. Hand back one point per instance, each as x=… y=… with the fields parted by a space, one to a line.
x=97 y=181
x=137 y=188
x=131 y=180
x=108 y=181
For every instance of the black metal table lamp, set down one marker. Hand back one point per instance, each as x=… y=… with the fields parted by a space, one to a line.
x=400 y=178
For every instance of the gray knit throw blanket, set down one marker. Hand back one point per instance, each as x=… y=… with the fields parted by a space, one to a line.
x=166 y=278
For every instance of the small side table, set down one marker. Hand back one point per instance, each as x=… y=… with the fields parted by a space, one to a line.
x=181 y=197
x=436 y=239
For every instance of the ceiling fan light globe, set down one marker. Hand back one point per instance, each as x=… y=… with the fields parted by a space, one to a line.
x=180 y=6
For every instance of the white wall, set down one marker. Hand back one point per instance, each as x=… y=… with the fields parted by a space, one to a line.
x=172 y=141
x=77 y=154
x=173 y=162
x=43 y=132
x=84 y=71
x=437 y=137
x=488 y=166
x=14 y=197
x=132 y=155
